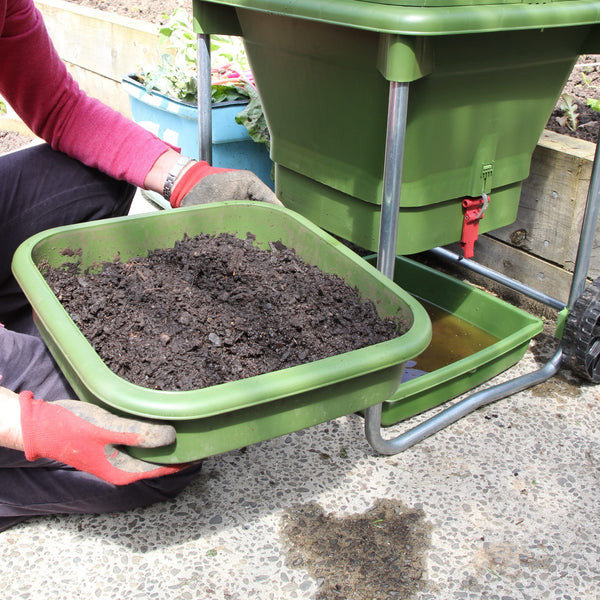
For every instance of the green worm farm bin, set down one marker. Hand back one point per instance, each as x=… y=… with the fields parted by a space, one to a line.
x=238 y=413
x=458 y=367
x=484 y=77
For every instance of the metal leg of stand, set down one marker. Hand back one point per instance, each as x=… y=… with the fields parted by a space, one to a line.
x=497 y=392
x=454 y=413
x=204 y=99
x=390 y=205
x=588 y=229
x=498 y=277
x=392 y=177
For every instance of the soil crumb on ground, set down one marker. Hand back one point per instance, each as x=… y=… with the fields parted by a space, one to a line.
x=214 y=309
x=376 y=555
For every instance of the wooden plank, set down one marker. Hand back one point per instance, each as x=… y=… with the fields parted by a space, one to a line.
x=98 y=41
x=540 y=248
x=97 y=86
x=10 y=123
x=553 y=202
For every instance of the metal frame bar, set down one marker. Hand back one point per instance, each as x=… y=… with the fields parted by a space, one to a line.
x=392 y=177
x=204 y=99
x=454 y=413
x=498 y=277
x=392 y=180
x=588 y=228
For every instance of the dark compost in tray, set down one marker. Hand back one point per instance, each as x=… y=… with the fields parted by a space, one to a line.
x=214 y=309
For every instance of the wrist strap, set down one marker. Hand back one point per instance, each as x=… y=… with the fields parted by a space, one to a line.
x=172 y=175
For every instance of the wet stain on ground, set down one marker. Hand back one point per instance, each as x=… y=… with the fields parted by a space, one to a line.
x=556 y=387
x=376 y=555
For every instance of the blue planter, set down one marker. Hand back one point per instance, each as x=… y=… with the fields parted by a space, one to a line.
x=177 y=123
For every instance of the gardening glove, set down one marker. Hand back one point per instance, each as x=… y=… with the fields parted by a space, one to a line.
x=202 y=184
x=89 y=439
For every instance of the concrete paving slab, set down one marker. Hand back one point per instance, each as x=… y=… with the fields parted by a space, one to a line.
x=502 y=504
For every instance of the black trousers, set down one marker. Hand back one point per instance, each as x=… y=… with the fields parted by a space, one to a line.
x=40 y=189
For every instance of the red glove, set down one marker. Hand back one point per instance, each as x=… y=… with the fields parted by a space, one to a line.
x=88 y=438
x=201 y=184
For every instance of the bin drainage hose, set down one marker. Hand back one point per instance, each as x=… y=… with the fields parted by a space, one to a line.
x=454 y=413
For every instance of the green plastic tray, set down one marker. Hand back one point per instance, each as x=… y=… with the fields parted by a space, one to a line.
x=238 y=413
x=483 y=82
x=511 y=326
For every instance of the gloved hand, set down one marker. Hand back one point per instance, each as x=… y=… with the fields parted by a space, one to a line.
x=202 y=184
x=88 y=438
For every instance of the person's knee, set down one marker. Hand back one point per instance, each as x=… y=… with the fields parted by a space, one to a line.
x=26 y=364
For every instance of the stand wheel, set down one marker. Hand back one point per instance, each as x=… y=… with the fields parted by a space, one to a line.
x=581 y=338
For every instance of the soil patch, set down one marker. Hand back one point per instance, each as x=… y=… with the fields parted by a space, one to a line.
x=214 y=309
x=151 y=11
x=377 y=555
x=583 y=83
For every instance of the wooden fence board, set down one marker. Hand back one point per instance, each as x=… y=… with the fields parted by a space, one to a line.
x=553 y=202
x=100 y=47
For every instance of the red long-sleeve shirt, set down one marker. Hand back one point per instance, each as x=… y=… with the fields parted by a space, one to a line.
x=36 y=83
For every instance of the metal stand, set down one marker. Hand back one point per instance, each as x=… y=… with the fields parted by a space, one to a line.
x=387 y=250
x=392 y=177
x=588 y=228
x=204 y=99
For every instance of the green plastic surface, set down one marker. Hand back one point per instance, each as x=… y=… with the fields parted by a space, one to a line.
x=437 y=17
x=477 y=105
x=513 y=327
x=238 y=413
x=419 y=228
x=454 y=3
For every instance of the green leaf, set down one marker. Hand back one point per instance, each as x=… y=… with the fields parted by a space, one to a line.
x=593 y=103
x=569 y=109
x=176 y=74
x=228 y=93
x=253 y=118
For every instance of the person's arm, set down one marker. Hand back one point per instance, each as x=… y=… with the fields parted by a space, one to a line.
x=10 y=420
x=81 y=435
x=38 y=86
x=35 y=82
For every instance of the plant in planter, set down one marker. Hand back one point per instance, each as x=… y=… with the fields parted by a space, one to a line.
x=594 y=103
x=163 y=99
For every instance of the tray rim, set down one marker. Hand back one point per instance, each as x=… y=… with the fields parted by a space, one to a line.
x=530 y=327
x=232 y=395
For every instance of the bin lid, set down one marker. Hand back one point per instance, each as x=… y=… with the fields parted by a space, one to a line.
x=431 y=17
